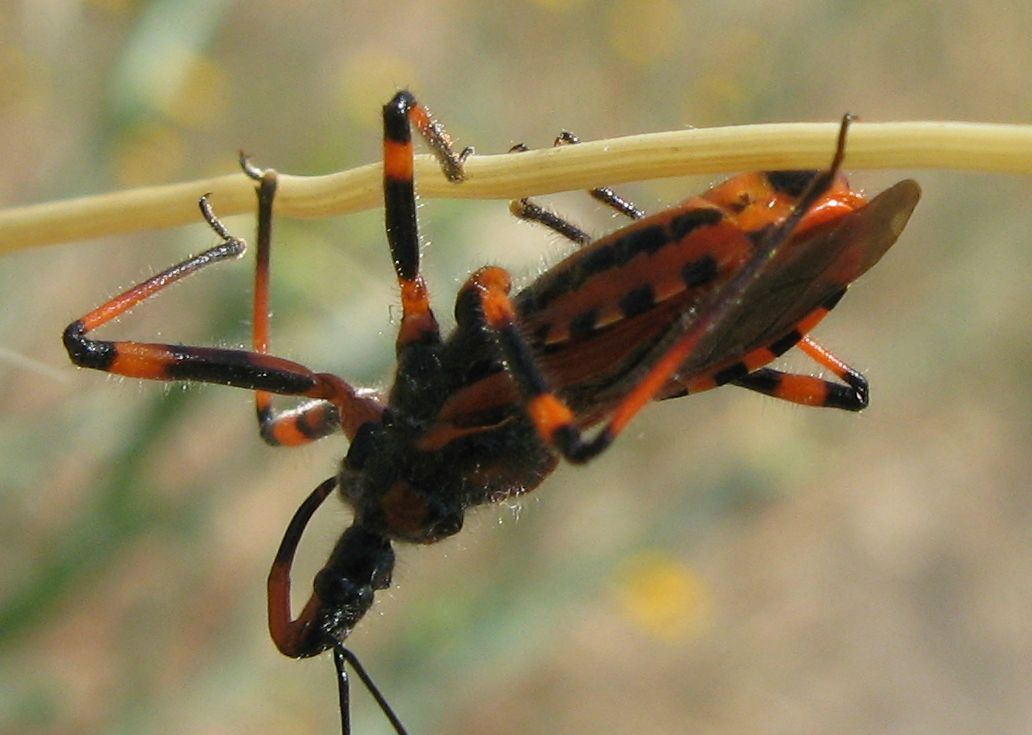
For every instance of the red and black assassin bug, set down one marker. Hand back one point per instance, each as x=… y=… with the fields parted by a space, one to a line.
x=705 y=293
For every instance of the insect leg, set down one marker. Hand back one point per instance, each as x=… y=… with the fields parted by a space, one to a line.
x=238 y=368
x=603 y=193
x=807 y=390
x=847 y=374
x=554 y=420
x=530 y=211
x=418 y=324
x=749 y=372
x=309 y=421
x=853 y=395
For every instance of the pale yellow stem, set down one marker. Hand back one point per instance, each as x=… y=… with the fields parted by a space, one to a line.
x=950 y=145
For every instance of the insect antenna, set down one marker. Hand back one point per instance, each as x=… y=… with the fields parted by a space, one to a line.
x=341 y=658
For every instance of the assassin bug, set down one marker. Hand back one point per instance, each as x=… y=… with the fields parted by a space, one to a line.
x=702 y=294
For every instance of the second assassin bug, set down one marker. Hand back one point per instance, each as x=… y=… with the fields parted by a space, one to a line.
x=702 y=294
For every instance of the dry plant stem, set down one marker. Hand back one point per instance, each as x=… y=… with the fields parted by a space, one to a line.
x=965 y=146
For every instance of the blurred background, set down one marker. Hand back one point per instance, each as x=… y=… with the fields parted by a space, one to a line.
x=733 y=565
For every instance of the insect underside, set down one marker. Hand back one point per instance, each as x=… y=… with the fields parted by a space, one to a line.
x=703 y=294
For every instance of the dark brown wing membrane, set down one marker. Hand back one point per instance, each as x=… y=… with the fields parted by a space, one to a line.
x=801 y=276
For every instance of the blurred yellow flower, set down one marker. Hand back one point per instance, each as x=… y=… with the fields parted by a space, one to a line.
x=662 y=595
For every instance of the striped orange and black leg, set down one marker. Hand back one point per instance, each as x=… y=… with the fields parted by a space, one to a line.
x=418 y=324
x=749 y=372
x=307 y=422
x=554 y=420
x=806 y=390
x=849 y=375
x=238 y=368
x=852 y=394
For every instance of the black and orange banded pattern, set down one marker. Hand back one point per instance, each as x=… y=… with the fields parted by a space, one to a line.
x=309 y=421
x=706 y=293
x=418 y=323
x=740 y=284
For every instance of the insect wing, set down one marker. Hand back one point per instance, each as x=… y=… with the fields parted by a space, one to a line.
x=868 y=233
x=802 y=274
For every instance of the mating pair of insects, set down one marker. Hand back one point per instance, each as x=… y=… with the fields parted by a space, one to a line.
x=702 y=294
